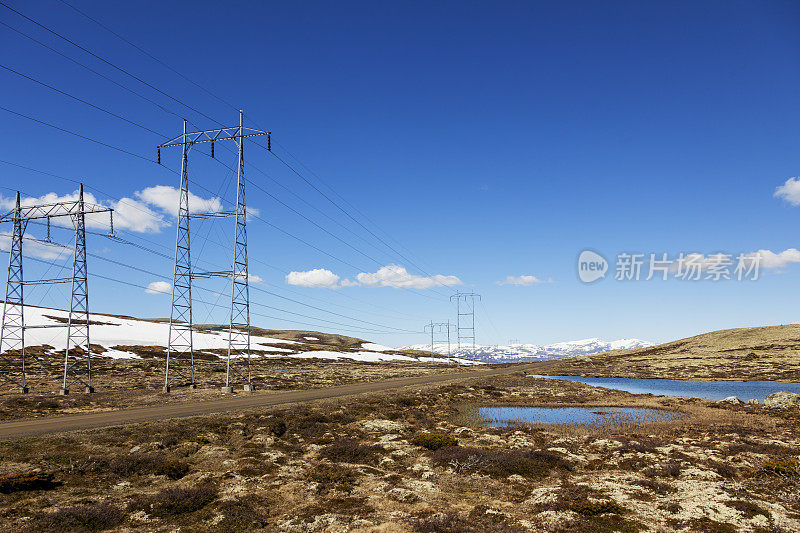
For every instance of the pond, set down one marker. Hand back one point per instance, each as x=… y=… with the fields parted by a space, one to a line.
x=600 y=417
x=712 y=390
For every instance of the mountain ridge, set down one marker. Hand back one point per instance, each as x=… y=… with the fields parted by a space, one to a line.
x=523 y=353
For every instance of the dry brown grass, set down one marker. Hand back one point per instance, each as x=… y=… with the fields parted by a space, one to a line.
x=349 y=464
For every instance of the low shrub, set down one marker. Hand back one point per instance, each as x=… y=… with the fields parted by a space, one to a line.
x=587 y=508
x=350 y=451
x=670 y=507
x=27 y=481
x=78 y=518
x=277 y=428
x=173 y=469
x=174 y=500
x=245 y=513
x=748 y=509
x=433 y=441
x=330 y=476
x=135 y=464
x=347 y=506
x=496 y=463
x=477 y=521
x=724 y=470
x=655 y=486
x=141 y=464
x=781 y=467
x=671 y=469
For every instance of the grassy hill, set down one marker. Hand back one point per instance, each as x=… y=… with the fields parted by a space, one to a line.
x=764 y=353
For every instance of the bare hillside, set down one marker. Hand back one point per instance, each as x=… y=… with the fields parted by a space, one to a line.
x=763 y=353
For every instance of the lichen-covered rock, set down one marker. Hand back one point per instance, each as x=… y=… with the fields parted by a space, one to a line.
x=782 y=400
x=753 y=401
x=731 y=399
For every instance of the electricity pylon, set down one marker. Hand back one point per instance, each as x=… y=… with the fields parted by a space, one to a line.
x=77 y=355
x=465 y=321
x=441 y=328
x=180 y=348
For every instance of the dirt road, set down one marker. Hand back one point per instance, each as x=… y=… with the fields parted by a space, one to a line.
x=60 y=424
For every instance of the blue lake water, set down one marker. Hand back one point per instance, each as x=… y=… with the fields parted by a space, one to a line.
x=712 y=390
x=595 y=416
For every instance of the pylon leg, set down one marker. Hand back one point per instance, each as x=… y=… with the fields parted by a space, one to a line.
x=78 y=355
x=180 y=353
x=12 y=333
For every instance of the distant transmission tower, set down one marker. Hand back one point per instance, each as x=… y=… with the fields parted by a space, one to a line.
x=442 y=328
x=465 y=320
x=77 y=356
x=180 y=350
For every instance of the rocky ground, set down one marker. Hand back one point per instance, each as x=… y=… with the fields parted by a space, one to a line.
x=418 y=460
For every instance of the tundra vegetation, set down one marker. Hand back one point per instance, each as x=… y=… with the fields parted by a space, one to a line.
x=417 y=460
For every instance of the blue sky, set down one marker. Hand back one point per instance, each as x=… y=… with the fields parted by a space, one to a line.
x=479 y=140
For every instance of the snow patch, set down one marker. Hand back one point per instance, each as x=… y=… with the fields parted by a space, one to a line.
x=517 y=353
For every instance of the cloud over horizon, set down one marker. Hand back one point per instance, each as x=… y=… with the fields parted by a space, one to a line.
x=789 y=191
x=394 y=276
x=159 y=287
x=523 y=280
x=135 y=214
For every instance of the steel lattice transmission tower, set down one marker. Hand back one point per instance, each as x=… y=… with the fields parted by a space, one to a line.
x=442 y=328
x=465 y=320
x=180 y=349
x=77 y=355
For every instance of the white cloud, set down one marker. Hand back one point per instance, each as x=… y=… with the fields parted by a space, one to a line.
x=35 y=248
x=318 y=278
x=159 y=287
x=137 y=216
x=772 y=260
x=398 y=277
x=768 y=260
x=165 y=198
x=251 y=278
x=389 y=276
x=128 y=213
x=524 y=280
x=789 y=191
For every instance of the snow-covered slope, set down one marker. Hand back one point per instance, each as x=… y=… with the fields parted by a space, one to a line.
x=115 y=334
x=517 y=353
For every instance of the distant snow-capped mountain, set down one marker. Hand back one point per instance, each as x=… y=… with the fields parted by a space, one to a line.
x=520 y=353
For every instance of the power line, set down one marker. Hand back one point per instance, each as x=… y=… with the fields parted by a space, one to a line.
x=148 y=54
x=342 y=198
x=80 y=100
x=76 y=134
x=116 y=280
x=107 y=62
x=90 y=69
x=149 y=250
x=190 y=107
x=255 y=288
x=86 y=50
